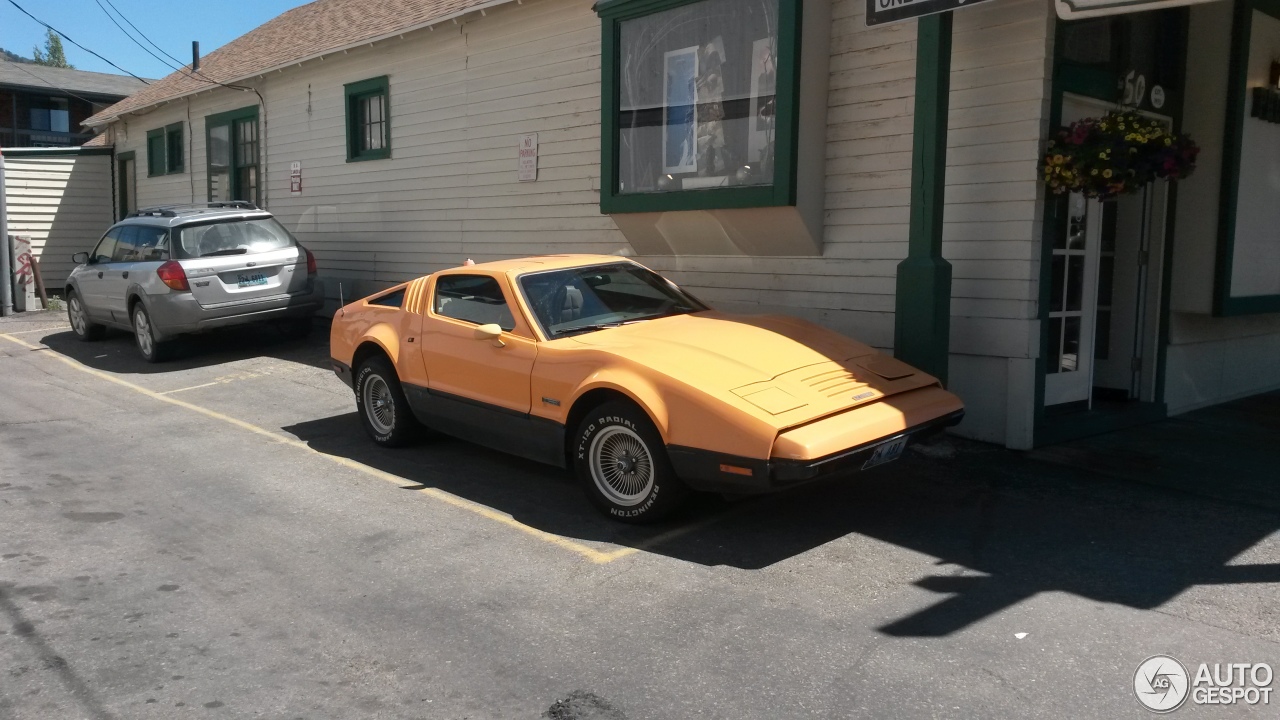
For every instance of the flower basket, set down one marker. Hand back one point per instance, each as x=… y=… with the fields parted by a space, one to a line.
x=1115 y=154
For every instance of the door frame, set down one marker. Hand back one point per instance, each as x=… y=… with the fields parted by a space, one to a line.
x=1089 y=82
x=120 y=183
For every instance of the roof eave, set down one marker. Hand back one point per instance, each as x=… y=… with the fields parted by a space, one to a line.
x=95 y=122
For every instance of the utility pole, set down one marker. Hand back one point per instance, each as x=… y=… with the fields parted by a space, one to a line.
x=6 y=272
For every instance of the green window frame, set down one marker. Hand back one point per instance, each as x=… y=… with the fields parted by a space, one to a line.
x=780 y=193
x=368 y=110
x=1224 y=302
x=165 y=151
x=233 y=156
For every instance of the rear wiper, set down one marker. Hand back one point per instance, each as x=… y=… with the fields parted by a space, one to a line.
x=232 y=251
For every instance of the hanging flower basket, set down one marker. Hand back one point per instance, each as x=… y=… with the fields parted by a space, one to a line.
x=1116 y=154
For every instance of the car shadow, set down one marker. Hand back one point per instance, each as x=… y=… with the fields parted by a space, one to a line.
x=117 y=353
x=1002 y=525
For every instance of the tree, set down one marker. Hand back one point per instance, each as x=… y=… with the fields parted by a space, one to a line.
x=52 y=55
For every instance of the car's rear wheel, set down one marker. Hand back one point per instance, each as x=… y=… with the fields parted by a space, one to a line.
x=384 y=410
x=144 y=334
x=84 y=328
x=620 y=459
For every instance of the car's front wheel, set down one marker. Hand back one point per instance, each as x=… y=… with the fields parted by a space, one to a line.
x=620 y=459
x=383 y=408
x=84 y=328
x=144 y=335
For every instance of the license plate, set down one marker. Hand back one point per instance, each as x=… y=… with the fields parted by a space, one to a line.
x=886 y=452
x=251 y=280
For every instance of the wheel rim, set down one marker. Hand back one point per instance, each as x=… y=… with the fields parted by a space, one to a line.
x=142 y=329
x=77 y=315
x=378 y=405
x=621 y=466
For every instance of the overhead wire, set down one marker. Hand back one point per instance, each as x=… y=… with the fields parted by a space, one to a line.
x=73 y=42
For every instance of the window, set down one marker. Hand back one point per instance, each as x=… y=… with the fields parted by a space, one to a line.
x=368 y=120
x=239 y=237
x=165 y=150
x=233 y=150
x=51 y=115
x=106 y=247
x=473 y=298
x=700 y=104
x=394 y=299
x=141 y=243
x=582 y=299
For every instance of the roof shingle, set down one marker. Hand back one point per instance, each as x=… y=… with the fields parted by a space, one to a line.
x=81 y=82
x=303 y=32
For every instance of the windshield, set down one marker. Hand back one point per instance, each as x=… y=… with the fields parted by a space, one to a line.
x=237 y=237
x=579 y=300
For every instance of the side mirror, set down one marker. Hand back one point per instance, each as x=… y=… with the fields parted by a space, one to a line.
x=80 y=258
x=492 y=333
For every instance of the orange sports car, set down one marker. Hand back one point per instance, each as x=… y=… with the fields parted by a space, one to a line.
x=600 y=364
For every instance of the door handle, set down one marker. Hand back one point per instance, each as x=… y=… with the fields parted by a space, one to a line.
x=125 y=274
x=99 y=274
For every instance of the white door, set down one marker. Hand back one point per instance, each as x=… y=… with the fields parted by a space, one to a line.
x=1073 y=304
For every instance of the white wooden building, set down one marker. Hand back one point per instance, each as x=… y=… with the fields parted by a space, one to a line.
x=386 y=136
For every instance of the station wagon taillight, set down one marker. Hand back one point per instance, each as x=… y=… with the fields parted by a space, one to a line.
x=172 y=274
x=311 y=262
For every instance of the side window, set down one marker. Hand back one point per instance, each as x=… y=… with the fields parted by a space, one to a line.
x=395 y=299
x=473 y=298
x=106 y=246
x=125 y=245
x=150 y=243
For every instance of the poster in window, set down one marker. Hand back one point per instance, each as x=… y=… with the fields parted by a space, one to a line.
x=764 y=84
x=680 y=95
x=713 y=157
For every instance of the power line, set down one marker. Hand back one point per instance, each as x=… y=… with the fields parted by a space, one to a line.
x=73 y=42
x=142 y=34
x=135 y=40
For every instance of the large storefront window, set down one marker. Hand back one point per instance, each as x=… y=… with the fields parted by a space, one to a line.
x=702 y=113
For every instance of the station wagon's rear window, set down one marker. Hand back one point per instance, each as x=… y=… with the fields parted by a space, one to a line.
x=236 y=237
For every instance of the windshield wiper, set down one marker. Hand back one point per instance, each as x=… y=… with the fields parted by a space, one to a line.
x=232 y=251
x=595 y=326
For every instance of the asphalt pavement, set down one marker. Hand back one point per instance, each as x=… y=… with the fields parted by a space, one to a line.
x=215 y=537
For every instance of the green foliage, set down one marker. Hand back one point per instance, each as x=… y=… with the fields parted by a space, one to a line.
x=53 y=54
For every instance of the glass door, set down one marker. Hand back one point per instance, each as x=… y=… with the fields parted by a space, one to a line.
x=1073 y=304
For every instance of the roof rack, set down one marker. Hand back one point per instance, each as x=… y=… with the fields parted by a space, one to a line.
x=173 y=210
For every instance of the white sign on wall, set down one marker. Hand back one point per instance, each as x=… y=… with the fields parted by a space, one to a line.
x=295 y=178
x=529 y=157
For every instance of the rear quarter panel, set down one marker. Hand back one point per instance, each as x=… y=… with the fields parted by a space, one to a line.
x=386 y=327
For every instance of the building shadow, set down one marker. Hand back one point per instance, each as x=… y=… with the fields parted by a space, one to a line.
x=1003 y=526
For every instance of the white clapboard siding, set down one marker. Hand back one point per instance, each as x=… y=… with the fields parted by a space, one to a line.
x=62 y=202
x=462 y=94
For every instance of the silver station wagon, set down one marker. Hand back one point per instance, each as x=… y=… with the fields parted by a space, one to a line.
x=167 y=271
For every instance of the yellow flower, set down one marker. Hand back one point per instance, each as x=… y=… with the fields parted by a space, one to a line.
x=1094 y=171
x=1106 y=173
x=1168 y=141
x=1058 y=159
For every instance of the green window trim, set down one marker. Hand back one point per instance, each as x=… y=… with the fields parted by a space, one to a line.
x=165 y=151
x=782 y=193
x=1224 y=303
x=230 y=119
x=354 y=94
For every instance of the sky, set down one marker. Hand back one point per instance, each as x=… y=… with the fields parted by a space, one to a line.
x=172 y=24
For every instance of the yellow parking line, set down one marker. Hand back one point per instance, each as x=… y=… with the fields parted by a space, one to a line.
x=590 y=553
x=48 y=329
x=193 y=387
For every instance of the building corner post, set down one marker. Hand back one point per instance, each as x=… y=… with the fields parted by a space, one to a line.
x=6 y=272
x=922 y=321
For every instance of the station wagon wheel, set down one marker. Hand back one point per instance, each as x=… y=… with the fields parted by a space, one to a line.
x=383 y=408
x=84 y=328
x=144 y=335
x=622 y=463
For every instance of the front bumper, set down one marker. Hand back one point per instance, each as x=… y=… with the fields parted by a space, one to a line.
x=179 y=313
x=718 y=472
